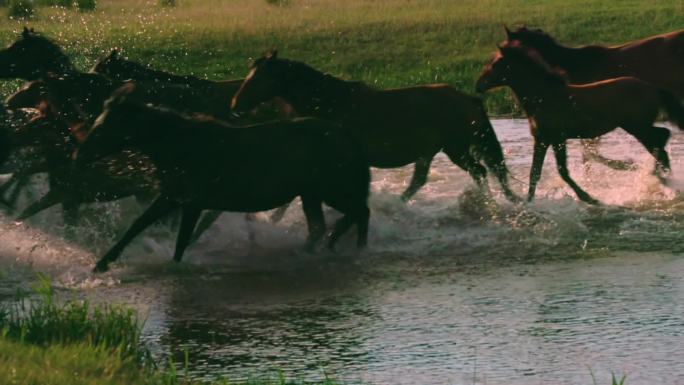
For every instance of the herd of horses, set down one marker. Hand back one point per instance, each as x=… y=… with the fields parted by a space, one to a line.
x=288 y=130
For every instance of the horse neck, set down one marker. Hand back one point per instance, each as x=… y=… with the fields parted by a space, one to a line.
x=59 y=66
x=536 y=90
x=162 y=136
x=579 y=63
x=325 y=96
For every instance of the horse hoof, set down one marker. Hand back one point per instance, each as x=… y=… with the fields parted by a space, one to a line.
x=101 y=267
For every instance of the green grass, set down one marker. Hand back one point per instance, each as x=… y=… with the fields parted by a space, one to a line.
x=388 y=43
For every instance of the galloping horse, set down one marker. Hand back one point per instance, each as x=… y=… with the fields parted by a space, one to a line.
x=396 y=127
x=205 y=164
x=658 y=60
x=218 y=93
x=33 y=57
x=108 y=179
x=558 y=111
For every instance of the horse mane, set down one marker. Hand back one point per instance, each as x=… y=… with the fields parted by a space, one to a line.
x=533 y=59
x=552 y=50
x=536 y=37
x=305 y=74
x=138 y=71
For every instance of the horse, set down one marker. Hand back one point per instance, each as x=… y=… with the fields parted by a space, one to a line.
x=219 y=93
x=396 y=127
x=20 y=162
x=59 y=128
x=33 y=56
x=656 y=59
x=206 y=164
x=108 y=179
x=559 y=111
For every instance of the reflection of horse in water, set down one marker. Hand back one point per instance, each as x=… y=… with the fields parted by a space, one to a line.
x=658 y=60
x=558 y=111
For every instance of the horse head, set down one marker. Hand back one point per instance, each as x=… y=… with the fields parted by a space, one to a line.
x=32 y=56
x=263 y=83
x=112 y=130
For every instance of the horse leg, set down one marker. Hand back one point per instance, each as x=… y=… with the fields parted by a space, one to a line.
x=70 y=215
x=590 y=152
x=538 y=156
x=204 y=224
x=420 y=175
x=313 y=211
x=188 y=222
x=160 y=207
x=251 y=234
x=560 y=150
x=654 y=139
x=48 y=200
x=361 y=217
x=477 y=171
x=279 y=213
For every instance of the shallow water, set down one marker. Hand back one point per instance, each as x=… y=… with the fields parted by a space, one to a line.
x=455 y=288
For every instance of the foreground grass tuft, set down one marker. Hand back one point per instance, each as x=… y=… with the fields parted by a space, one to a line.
x=42 y=321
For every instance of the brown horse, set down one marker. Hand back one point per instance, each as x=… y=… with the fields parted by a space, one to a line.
x=218 y=93
x=396 y=127
x=205 y=164
x=65 y=106
x=33 y=56
x=108 y=179
x=558 y=111
x=658 y=60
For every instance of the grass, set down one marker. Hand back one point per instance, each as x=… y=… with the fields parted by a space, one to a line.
x=387 y=43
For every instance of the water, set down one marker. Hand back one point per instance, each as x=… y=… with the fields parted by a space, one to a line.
x=455 y=288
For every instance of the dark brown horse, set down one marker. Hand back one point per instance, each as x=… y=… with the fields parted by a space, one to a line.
x=658 y=60
x=558 y=111
x=218 y=93
x=204 y=164
x=218 y=96
x=33 y=56
x=396 y=127
x=66 y=106
x=108 y=179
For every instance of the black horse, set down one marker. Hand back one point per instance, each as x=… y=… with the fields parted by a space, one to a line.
x=205 y=164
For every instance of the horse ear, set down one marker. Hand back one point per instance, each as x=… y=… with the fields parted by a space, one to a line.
x=273 y=55
x=508 y=32
x=114 y=54
x=25 y=32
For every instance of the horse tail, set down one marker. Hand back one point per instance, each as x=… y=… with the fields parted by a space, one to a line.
x=488 y=148
x=673 y=107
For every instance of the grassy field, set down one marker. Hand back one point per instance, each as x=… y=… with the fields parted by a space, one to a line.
x=388 y=43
